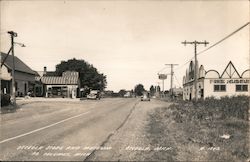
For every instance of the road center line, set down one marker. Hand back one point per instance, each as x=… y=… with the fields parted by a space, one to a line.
x=39 y=129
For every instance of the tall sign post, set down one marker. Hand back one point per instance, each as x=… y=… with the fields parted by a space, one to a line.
x=162 y=77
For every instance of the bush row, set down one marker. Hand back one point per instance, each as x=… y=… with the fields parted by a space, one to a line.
x=225 y=107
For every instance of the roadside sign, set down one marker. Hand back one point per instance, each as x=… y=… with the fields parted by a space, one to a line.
x=162 y=76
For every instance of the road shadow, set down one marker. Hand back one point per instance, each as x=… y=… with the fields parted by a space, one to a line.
x=8 y=109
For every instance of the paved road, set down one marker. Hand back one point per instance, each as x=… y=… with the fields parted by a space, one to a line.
x=65 y=130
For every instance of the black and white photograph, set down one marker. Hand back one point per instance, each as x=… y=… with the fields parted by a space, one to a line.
x=125 y=80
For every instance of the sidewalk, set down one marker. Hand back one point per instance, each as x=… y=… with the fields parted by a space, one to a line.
x=20 y=101
x=23 y=101
x=28 y=99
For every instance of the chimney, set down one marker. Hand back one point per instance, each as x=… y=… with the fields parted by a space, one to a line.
x=44 y=70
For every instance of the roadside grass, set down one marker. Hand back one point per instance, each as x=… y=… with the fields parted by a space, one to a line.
x=211 y=129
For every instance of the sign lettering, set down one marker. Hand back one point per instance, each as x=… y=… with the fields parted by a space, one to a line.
x=229 y=81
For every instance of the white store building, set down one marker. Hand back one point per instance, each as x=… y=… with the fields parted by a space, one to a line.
x=211 y=83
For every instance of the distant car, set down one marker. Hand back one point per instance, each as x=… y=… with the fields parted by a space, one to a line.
x=94 y=94
x=127 y=95
x=145 y=97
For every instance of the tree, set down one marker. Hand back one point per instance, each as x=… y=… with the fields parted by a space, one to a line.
x=158 y=88
x=122 y=92
x=139 y=89
x=88 y=74
x=152 y=90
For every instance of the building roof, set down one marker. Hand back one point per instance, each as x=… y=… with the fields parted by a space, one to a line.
x=230 y=72
x=19 y=64
x=67 y=78
x=55 y=80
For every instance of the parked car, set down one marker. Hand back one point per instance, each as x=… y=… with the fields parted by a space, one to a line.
x=94 y=94
x=145 y=97
x=127 y=95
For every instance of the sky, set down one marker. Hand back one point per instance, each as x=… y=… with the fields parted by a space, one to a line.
x=129 y=41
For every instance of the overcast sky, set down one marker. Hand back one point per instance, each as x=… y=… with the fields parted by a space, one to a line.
x=129 y=41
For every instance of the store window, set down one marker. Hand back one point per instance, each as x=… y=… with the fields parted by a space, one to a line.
x=241 y=88
x=220 y=88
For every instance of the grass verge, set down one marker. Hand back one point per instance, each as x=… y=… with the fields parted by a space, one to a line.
x=211 y=129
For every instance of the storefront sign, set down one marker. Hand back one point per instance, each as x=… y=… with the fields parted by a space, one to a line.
x=229 y=81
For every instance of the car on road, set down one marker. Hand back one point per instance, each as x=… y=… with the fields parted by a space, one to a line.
x=127 y=95
x=94 y=95
x=145 y=97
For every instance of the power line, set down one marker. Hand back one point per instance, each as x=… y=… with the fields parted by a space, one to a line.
x=177 y=80
x=223 y=39
x=163 y=69
x=214 y=44
x=183 y=65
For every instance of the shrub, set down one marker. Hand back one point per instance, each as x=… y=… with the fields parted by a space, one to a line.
x=5 y=99
x=223 y=108
x=235 y=106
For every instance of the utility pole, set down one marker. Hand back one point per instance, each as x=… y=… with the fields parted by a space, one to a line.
x=13 y=34
x=162 y=87
x=195 y=43
x=171 y=81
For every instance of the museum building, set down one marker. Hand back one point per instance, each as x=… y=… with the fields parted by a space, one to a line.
x=211 y=83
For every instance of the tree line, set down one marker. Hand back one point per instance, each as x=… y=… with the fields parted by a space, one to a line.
x=89 y=76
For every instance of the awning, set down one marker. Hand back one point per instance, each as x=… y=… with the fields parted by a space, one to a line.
x=72 y=80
